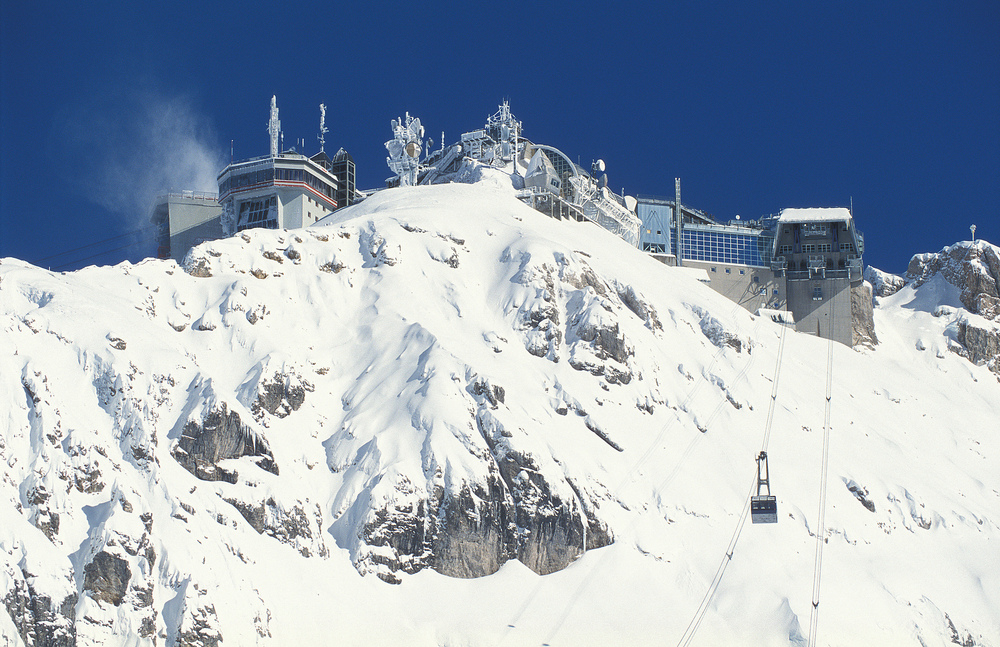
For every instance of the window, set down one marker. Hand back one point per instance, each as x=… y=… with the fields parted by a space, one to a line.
x=258 y=214
x=775 y=291
x=742 y=272
x=817 y=293
x=823 y=247
x=713 y=269
x=728 y=271
x=809 y=248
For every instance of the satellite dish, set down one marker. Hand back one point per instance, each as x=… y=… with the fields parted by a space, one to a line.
x=413 y=149
x=599 y=166
x=737 y=216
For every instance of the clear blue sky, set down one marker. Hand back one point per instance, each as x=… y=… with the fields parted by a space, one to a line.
x=755 y=106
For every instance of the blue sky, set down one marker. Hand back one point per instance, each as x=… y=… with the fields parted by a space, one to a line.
x=755 y=108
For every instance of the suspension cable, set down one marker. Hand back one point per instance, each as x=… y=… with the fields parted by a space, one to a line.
x=821 y=526
x=134 y=232
x=699 y=614
x=512 y=624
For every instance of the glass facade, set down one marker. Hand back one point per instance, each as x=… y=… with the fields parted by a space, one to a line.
x=248 y=179
x=268 y=175
x=726 y=246
x=258 y=214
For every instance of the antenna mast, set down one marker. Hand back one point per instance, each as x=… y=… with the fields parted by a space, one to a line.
x=322 y=127
x=274 y=126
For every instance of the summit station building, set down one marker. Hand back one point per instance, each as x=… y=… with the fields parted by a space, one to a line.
x=805 y=262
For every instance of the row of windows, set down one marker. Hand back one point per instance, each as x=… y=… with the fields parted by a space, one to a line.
x=258 y=214
x=810 y=248
x=251 y=178
x=718 y=247
x=269 y=175
x=290 y=174
x=319 y=185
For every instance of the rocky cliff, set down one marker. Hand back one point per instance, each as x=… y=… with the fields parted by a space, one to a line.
x=863 y=316
x=973 y=268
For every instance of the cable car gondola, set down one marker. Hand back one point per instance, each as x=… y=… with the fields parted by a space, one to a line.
x=763 y=508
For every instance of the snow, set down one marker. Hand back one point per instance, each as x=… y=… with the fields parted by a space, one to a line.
x=826 y=214
x=432 y=287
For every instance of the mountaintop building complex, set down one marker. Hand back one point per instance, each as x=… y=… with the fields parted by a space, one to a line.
x=800 y=266
x=801 y=261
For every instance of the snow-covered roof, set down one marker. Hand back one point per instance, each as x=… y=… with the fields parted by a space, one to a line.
x=833 y=214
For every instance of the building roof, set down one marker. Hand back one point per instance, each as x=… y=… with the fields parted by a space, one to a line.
x=834 y=214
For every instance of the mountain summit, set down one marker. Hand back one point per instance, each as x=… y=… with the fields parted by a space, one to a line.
x=440 y=417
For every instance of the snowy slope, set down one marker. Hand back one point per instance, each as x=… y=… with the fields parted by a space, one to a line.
x=442 y=382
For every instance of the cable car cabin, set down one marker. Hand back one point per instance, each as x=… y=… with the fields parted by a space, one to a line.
x=763 y=508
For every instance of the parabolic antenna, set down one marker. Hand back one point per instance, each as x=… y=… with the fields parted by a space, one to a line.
x=413 y=149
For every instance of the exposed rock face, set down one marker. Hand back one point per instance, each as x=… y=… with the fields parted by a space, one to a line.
x=199 y=622
x=220 y=435
x=718 y=335
x=982 y=344
x=39 y=620
x=883 y=284
x=514 y=513
x=973 y=267
x=291 y=525
x=281 y=395
x=106 y=578
x=862 y=316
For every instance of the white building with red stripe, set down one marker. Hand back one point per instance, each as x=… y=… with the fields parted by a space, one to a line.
x=284 y=190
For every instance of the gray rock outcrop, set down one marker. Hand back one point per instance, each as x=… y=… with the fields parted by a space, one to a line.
x=106 y=578
x=862 y=316
x=981 y=344
x=975 y=269
x=972 y=267
x=883 y=284
x=40 y=621
x=220 y=435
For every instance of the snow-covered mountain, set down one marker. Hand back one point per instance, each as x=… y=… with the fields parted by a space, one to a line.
x=442 y=418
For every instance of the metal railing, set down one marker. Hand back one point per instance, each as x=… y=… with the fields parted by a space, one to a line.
x=194 y=195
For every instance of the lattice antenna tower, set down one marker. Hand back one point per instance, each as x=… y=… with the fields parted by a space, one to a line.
x=323 y=130
x=274 y=126
x=505 y=129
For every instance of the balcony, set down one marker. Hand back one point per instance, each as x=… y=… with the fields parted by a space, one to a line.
x=817 y=266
